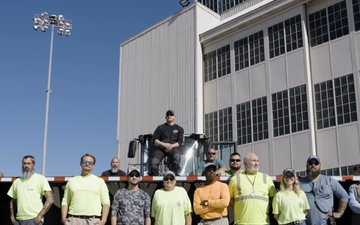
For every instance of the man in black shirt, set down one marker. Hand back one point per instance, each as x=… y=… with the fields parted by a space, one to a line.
x=115 y=170
x=168 y=137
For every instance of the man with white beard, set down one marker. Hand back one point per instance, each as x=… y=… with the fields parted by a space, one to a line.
x=27 y=193
x=251 y=193
x=115 y=170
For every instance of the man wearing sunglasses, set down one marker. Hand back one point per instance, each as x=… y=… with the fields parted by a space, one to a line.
x=211 y=159
x=131 y=205
x=212 y=199
x=168 y=137
x=86 y=198
x=320 y=191
x=235 y=165
x=171 y=205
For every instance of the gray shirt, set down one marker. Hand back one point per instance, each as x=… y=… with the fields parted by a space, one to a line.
x=130 y=207
x=320 y=195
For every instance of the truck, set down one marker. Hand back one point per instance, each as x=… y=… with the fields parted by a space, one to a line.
x=192 y=153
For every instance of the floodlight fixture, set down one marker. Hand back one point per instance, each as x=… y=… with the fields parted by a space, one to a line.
x=184 y=3
x=42 y=21
x=67 y=32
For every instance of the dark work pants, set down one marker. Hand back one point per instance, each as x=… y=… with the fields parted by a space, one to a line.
x=173 y=160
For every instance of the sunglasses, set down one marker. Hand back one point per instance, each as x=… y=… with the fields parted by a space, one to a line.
x=315 y=163
x=169 y=115
x=134 y=175
x=169 y=178
x=235 y=160
x=212 y=153
x=87 y=162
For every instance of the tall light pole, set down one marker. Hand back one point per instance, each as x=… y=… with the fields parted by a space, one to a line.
x=43 y=21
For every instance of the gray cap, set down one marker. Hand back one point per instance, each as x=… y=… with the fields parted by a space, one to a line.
x=289 y=170
x=169 y=172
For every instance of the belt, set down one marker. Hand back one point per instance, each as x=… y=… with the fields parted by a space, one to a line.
x=213 y=219
x=295 y=222
x=84 y=217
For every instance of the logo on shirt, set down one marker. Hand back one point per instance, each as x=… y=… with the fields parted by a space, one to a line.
x=175 y=131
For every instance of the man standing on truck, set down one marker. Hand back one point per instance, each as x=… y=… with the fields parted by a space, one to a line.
x=86 y=198
x=320 y=191
x=27 y=193
x=168 y=137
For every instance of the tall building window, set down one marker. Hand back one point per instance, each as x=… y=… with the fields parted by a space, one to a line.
x=318 y=28
x=211 y=126
x=256 y=43
x=225 y=125
x=223 y=55
x=211 y=4
x=324 y=102
x=243 y=117
x=241 y=48
x=280 y=107
x=210 y=66
x=338 y=22
x=292 y=30
x=217 y=63
x=341 y=109
x=328 y=24
x=345 y=99
x=293 y=33
x=260 y=119
x=276 y=40
x=298 y=109
x=356 y=9
x=249 y=50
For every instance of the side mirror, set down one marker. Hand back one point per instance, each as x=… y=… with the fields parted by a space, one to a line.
x=133 y=146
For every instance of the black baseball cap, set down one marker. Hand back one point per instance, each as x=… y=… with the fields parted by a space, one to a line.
x=170 y=112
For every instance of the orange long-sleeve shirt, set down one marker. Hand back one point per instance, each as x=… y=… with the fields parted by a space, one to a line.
x=218 y=197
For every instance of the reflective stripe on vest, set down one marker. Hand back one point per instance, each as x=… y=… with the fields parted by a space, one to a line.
x=249 y=196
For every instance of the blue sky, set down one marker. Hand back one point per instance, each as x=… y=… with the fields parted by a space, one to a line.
x=84 y=82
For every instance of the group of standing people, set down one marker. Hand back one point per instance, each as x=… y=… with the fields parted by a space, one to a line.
x=307 y=201
x=86 y=201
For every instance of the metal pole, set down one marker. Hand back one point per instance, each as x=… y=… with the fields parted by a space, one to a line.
x=48 y=90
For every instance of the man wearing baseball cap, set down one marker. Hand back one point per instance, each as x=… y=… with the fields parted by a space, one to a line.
x=131 y=205
x=171 y=204
x=212 y=199
x=168 y=137
x=320 y=191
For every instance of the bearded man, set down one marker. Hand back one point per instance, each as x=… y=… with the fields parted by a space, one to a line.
x=320 y=191
x=234 y=164
x=115 y=170
x=251 y=193
x=26 y=194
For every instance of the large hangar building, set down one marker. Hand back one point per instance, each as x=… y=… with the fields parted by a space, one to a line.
x=278 y=77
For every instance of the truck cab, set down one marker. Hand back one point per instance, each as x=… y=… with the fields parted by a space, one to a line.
x=192 y=153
